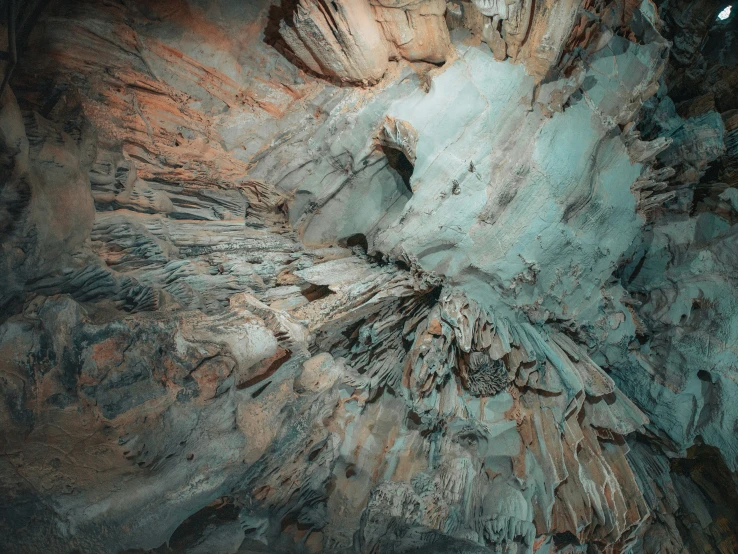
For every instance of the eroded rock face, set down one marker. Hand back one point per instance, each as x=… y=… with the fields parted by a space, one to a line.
x=352 y=40
x=369 y=276
x=47 y=210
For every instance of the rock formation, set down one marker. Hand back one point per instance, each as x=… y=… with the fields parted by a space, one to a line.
x=371 y=276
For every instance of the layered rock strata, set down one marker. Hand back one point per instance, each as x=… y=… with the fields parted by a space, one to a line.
x=369 y=276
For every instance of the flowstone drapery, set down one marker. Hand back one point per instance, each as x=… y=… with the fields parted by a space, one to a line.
x=370 y=276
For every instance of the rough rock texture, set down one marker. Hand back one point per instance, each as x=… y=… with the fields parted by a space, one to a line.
x=352 y=40
x=338 y=39
x=370 y=276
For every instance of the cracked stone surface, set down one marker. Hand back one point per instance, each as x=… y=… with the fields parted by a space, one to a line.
x=370 y=276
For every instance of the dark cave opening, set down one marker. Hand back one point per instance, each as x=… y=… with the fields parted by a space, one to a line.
x=400 y=164
x=218 y=512
x=359 y=239
x=316 y=292
x=564 y=539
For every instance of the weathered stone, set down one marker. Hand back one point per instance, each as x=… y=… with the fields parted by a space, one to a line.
x=273 y=282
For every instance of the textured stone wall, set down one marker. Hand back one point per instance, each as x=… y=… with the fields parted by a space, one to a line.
x=369 y=276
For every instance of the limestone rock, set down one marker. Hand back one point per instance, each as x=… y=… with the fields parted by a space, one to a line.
x=338 y=39
x=369 y=276
x=416 y=28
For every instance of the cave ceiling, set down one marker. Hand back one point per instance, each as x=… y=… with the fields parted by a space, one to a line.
x=369 y=276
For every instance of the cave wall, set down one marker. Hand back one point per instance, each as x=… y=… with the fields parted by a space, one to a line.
x=370 y=276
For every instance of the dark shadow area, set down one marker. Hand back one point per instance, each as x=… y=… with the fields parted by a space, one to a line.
x=278 y=13
x=269 y=367
x=359 y=239
x=316 y=292
x=565 y=539
x=397 y=160
x=191 y=529
x=708 y=476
